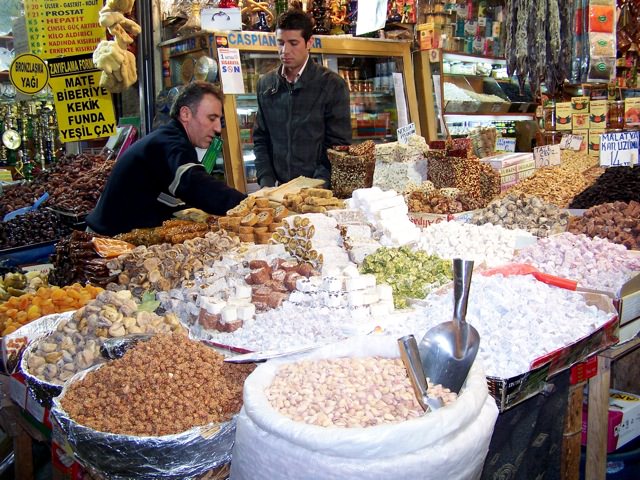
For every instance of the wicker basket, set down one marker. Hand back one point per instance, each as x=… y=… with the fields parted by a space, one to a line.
x=350 y=172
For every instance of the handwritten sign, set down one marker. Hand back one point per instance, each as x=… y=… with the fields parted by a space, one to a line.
x=505 y=144
x=546 y=156
x=405 y=132
x=619 y=149
x=571 y=142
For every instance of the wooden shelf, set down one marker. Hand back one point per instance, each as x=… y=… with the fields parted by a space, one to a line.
x=472 y=55
x=508 y=114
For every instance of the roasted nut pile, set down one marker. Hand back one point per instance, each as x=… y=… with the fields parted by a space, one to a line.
x=615 y=184
x=619 y=222
x=163 y=267
x=164 y=386
x=75 y=345
x=348 y=392
x=524 y=212
x=559 y=185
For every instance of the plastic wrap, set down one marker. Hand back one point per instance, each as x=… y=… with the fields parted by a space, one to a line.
x=271 y=446
x=172 y=457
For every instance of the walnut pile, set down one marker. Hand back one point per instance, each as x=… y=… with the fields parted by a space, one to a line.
x=164 y=386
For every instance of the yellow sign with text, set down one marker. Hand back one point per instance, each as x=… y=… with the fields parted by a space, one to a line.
x=28 y=73
x=84 y=108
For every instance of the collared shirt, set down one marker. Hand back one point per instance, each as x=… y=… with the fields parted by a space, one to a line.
x=298 y=75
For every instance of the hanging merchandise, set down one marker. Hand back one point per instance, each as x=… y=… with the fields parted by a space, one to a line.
x=538 y=43
x=602 y=41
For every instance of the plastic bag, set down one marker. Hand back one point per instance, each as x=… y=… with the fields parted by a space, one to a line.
x=271 y=446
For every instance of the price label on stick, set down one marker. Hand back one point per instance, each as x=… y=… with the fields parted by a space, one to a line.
x=619 y=149
x=405 y=132
x=546 y=156
x=505 y=144
x=571 y=142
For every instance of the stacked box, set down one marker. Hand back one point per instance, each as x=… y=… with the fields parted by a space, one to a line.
x=512 y=167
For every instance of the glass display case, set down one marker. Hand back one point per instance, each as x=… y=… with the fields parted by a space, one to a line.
x=379 y=75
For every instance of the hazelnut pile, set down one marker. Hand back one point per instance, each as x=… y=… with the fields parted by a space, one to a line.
x=164 y=386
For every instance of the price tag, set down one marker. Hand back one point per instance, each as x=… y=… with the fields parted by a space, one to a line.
x=505 y=144
x=619 y=149
x=546 y=156
x=405 y=132
x=571 y=142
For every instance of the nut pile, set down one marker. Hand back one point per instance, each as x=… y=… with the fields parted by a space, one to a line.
x=524 y=212
x=18 y=311
x=75 y=345
x=619 y=222
x=348 y=392
x=162 y=267
x=616 y=184
x=164 y=386
x=559 y=185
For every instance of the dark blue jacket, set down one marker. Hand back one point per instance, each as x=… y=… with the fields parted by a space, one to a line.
x=154 y=178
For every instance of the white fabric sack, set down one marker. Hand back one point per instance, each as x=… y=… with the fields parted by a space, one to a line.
x=451 y=442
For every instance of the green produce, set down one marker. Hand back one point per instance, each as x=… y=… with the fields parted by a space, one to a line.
x=410 y=274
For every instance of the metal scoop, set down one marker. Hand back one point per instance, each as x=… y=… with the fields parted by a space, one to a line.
x=411 y=358
x=448 y=350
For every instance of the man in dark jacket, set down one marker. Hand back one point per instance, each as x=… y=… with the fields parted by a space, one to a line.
x=303 y=109
x=160 y=173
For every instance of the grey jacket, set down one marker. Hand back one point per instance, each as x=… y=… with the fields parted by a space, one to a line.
x=295 y=124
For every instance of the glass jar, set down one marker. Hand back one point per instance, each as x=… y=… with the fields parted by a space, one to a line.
x=552 y=138
x=615 y=118
x=550 y=118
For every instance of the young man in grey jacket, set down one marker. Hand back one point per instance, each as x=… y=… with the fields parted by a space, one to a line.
x=303 y=109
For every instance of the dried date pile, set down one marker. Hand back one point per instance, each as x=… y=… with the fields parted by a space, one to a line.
x=164 y=386
x=31 y=228
x=616 y=184
x=619 y=222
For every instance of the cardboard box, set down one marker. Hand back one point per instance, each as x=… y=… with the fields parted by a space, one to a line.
x=564 y=111
x=632 y=112
x=598 y=114
x=594 y=142
x=522 y=174
x=580 y=104
x=580 y=121
x=426 y=39
x=623 y=420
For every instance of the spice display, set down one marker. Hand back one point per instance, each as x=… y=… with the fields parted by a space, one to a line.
x=14 y=284
x=352 y=167
x=311 y=238
x=312 y=200
x=523 y=212
x=410 y=274
x=616 y=184
x=20 y=310
x=489 y=244
x=348 y=392
x=163 y=386
x=592 y=262
x=75 y=345
x=519 y=319
x=387 y=213
x=31 y=228
x=618 y=221
x=163 y=267
x=172 y=231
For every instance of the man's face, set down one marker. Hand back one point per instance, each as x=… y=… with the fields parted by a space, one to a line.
x=204 y=123
x=292 y=48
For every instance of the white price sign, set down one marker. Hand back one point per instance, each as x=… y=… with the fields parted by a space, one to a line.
x=505 y=144
x=405 y=132
x=546 y=156
x=619 y=149
x=571 y=142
